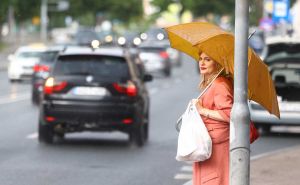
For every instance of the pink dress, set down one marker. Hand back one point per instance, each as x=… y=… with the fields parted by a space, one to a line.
x=215 y=170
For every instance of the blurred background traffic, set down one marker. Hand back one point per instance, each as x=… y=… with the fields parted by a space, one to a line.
x=69 y=66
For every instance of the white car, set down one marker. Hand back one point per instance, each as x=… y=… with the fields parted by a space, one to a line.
x=22 y=61
x=283 y=62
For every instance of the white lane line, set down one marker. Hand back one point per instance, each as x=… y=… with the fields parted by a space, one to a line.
x=187 y=168
x=32 y=136
x=14 y=98
x=183 y=176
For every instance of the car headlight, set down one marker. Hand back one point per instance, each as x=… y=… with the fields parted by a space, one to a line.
x=144 y=36
x=137 y=41
x=160 y=36
x=121 y=40
x=108 y=38
x=95 y=44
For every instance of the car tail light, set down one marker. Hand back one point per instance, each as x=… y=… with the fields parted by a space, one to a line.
x=164 y=54
x=50 y=118
x=51 y=86
x=129 y=88
x=127 y=121
x=41 y=68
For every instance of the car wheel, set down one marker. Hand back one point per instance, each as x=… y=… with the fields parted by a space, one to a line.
x=146 y=132
x=60 y=135
x=34 y=99
x=146 y=128
x=167 y=73
x=265 y=129
x=136 y=135
x=46 y=133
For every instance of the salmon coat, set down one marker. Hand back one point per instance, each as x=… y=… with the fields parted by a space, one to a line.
x=215 y=170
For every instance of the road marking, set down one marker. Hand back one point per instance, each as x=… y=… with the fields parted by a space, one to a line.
x=187 y=168
x=183 y=176
x=13 y=99
x=32 y=136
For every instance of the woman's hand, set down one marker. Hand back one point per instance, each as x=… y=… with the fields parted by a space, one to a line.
x=211 y=114
x=202 y=111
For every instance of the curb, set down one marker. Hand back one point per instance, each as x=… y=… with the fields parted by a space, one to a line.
x=256 y=157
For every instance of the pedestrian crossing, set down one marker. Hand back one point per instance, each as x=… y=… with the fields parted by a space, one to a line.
x=186 y=173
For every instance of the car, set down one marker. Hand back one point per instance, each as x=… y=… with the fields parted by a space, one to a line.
x=20 y=66
x=85 y=37
x=283 y=59
x=156 y=58
x=154 y=34
x=95 y=90
x=129 y=39
x=41 y=71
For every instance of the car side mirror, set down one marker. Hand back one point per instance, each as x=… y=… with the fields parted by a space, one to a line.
x=147 y=78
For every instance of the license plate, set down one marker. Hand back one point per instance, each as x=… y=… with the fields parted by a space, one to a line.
x=90 y=91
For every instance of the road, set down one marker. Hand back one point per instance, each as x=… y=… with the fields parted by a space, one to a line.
x=104 y=158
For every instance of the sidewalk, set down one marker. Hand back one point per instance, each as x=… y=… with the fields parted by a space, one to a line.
x=277 y=168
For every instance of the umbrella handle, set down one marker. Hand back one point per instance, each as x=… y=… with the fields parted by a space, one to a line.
x=179 y=121
x=178 y=124
x=251 y=34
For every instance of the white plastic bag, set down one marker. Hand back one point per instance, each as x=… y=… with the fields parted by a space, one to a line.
x=194 y=142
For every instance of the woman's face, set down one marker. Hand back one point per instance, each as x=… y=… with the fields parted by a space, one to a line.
x=207 y=66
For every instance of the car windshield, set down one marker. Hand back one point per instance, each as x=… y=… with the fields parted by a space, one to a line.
x=48 y=56
x=104 y=66
x=29 y=54
x=151 y=49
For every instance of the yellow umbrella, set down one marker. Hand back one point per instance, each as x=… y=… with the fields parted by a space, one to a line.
x=197 y=37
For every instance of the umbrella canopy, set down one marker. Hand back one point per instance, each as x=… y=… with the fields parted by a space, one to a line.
x=197 y=37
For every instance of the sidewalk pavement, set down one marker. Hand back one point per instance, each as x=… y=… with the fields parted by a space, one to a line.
x=276 y=168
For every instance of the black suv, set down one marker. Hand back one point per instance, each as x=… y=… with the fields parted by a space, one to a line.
x=95 y=90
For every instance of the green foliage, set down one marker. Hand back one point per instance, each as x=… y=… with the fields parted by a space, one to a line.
x=124 y=11
x=200 y=7
x=3 y=10
x=25 y=10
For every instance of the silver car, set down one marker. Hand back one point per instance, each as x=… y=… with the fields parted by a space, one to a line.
x=156 y=58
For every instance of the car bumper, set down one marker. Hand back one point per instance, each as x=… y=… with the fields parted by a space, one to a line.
x=19 y=75
x=289 y=114
x=105 y=115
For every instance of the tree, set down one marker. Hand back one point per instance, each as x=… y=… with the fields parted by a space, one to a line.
x=3 y=14
x=199 y=7
x=112 y=9
x=25 y=10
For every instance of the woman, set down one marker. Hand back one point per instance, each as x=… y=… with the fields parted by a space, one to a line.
x=214 y=106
